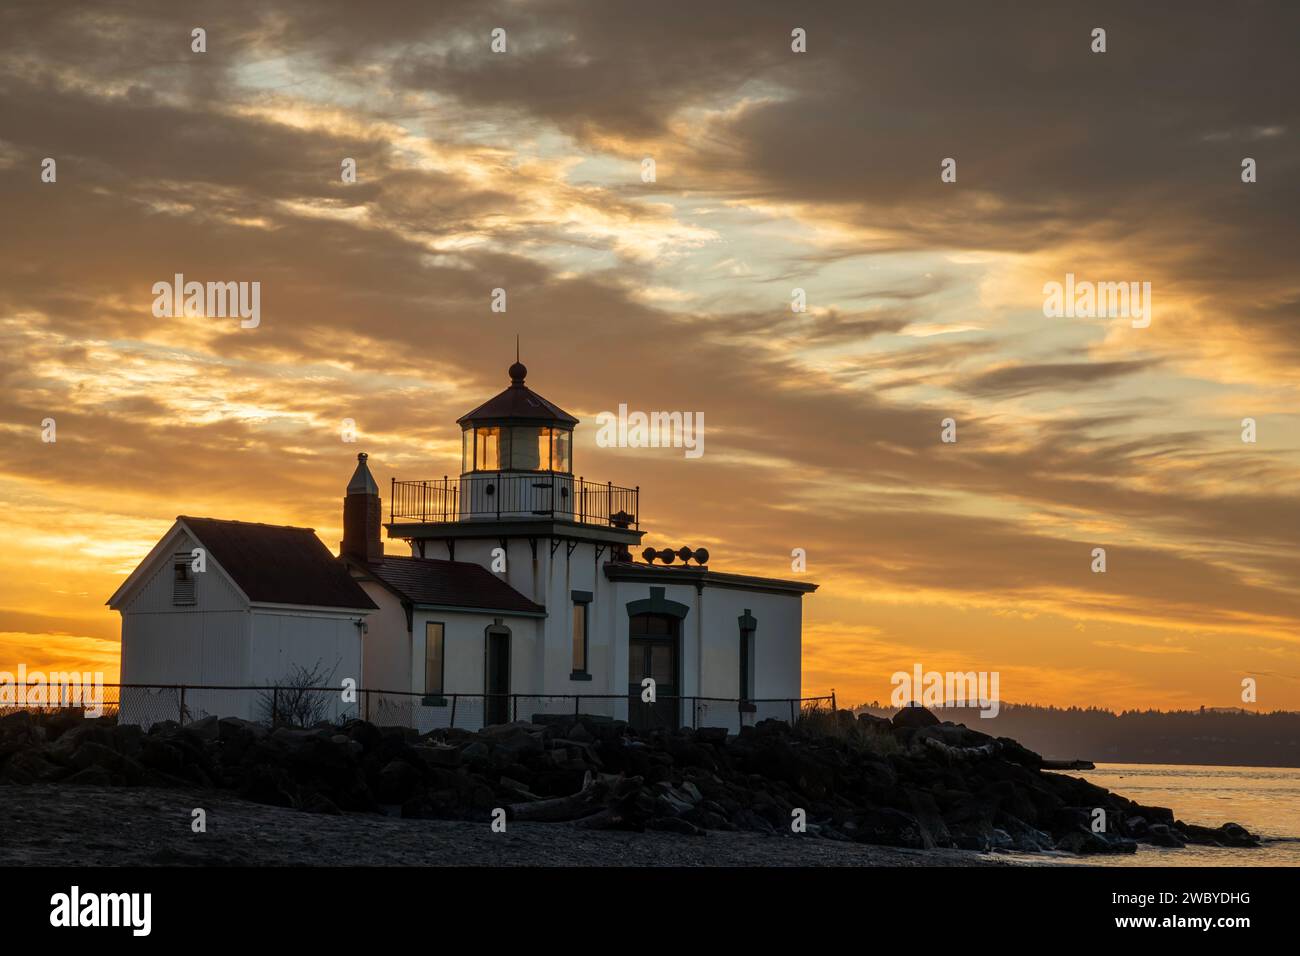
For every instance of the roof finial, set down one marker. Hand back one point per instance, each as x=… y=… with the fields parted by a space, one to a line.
x=517 y=371
x=362 y=483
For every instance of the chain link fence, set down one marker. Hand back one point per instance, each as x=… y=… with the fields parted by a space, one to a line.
x=276 y=706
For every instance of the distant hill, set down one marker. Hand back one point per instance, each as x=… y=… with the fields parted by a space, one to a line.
x=1212 y=736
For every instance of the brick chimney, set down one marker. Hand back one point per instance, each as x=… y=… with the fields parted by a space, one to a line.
x=362 y=515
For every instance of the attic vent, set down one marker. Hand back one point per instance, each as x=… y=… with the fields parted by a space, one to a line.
x=182 y=580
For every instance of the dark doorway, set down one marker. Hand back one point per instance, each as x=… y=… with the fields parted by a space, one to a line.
x=496 y=708
x=653 y=644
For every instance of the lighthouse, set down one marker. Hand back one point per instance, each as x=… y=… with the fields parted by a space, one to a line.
x=519 y=598
x=516 y=456
x=718 y=647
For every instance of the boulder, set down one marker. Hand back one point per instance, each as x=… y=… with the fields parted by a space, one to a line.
x=914 y=717
x=1080 y=839
x=30 y=766
x=437 y=755
x=91 y=776
x=205 y=728
x=122 y=770
x=874 y=724
x=87 y=731
x=1164 y=835
x=270 y=785
x=397 y=782
x=1235 y=835
x=716 y=736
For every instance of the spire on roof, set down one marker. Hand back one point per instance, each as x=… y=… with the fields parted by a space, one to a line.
x=362 y=483
x=518 y=371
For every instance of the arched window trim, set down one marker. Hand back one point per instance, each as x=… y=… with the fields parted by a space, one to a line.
x=656 y=603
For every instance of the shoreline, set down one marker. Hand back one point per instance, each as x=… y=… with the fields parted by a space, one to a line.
x=55 y=825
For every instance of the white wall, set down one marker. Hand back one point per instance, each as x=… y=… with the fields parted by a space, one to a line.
x=203 y=643
x=777 y=661
x=710 y=636
x=386 y=647
x=219 y=640
x=464 y=651
x=710 y=648
x=545 y=668
x=283 y=639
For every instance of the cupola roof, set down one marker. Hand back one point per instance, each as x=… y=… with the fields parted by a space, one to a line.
x=518 y=404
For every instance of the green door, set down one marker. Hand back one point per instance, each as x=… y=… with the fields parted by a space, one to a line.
x=653 y=645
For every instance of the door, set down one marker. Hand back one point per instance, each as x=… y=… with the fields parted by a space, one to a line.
x=496 y=709
x=653 y=644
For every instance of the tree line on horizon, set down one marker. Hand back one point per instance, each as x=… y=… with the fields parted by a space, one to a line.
x=1218 y=736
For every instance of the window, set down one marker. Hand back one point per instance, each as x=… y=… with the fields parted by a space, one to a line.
x=581 y=626
x=530 y=448
x=560 y=459
x=487 y=449
x=579 y=638
x=746 y=665
x=748 y=625
x=182 y=580
x=516 y=448
x=434 y=659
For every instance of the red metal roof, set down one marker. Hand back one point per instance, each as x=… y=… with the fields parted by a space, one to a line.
x=450 y=584
x=277 y=564
x=518 y=403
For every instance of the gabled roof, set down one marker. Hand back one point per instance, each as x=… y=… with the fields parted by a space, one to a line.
x=278 y=564
x=451 y=584
x=518 y=403
x=270 y=564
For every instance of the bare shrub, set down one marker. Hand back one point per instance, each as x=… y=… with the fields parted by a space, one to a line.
x=299 y=699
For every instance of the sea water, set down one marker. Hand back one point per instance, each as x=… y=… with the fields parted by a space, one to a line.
x=1264 y=800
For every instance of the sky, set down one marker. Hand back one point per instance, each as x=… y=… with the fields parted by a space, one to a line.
x=774 y=170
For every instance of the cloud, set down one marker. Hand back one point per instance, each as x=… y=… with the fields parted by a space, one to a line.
x=775 y=170
x=1023 y=379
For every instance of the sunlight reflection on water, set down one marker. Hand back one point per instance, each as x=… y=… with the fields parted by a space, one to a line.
x=1265 y=800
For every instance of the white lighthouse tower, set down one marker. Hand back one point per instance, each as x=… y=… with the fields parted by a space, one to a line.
x=588 y=620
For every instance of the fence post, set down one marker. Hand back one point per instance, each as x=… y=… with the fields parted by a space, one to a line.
x=275 y=707
x=453 y=712
x=577 y=703
x=182 y=706
x=514 y=707
x=834 y=709
x=792 y=712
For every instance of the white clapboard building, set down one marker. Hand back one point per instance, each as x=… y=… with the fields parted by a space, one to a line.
x=231 y=604
x=518 y=595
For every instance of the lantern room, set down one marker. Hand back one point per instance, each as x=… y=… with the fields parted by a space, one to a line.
x=517 y=431
x=516 y=464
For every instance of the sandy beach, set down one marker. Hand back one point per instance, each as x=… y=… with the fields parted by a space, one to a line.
x=47 y=824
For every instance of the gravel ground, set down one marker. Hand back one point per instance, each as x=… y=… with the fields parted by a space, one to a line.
x=48 y=824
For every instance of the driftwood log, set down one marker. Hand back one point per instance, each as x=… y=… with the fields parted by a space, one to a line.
x=590 y=799
x=982 y=752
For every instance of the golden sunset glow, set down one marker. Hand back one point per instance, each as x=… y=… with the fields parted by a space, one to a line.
x=773 y=172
